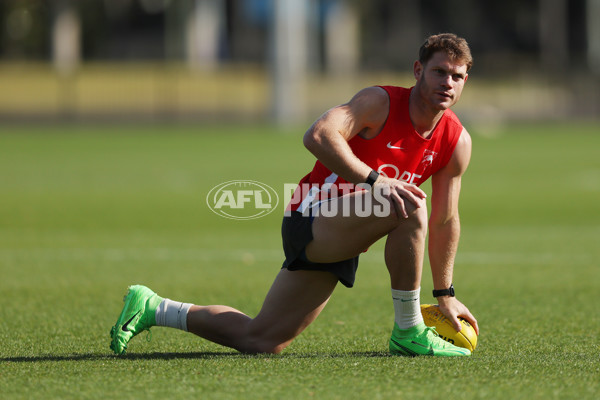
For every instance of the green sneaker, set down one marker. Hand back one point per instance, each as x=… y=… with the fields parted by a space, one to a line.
x=422 y=340
x=137 y=316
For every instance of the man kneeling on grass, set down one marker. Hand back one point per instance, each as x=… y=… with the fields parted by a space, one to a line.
x=375 y=149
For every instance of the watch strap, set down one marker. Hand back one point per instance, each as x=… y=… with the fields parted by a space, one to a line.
x=373 y=175
x=444 y=292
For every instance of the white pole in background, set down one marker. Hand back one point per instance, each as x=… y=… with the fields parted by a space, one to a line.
x=289 y=60
x=204 y=28
x=66 y=55
x=66 y=41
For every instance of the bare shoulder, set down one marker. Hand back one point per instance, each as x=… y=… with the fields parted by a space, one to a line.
x=446 y=182
x=370 y=100
x=370 y=106
x=460 y=157
x=365 y=114
x=373 y=95
x=464 y=143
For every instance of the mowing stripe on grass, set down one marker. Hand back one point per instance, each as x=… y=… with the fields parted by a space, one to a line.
x=267 y=255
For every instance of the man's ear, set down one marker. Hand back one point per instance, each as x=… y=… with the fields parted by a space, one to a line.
x=418 y=69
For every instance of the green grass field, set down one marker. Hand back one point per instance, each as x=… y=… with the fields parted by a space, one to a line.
x=85 y=212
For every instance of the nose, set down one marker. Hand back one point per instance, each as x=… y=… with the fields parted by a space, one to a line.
x=447 y=81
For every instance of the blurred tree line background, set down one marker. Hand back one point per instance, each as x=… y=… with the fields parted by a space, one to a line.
x=286 y=60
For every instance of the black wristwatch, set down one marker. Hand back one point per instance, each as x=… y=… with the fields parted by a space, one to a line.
x=373 y=175
x=444 y=292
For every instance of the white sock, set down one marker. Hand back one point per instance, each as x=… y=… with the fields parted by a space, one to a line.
x=173 y=314
x=407 y=307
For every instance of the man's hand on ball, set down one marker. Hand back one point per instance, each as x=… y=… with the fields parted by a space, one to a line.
x=452 y=308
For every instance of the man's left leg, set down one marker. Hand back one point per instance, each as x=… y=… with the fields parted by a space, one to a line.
x=294 y=301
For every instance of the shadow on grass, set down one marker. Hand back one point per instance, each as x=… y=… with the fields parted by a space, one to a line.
x=180 y=356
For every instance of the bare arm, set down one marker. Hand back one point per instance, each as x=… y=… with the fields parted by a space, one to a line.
x=365 y=114
x=444 y=228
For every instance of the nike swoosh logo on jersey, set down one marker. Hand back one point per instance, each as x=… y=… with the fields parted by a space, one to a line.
x=125 y=326
x=390 y=146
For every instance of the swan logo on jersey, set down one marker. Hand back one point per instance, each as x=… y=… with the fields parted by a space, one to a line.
x=242 y=199
x=428 y=157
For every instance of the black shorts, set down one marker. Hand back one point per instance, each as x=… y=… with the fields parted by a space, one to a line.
x=296 y=233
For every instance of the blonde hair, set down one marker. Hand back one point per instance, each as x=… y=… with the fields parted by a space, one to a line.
x=454 y=46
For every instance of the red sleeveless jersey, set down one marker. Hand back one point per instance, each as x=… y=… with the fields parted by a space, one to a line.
x=398 y=151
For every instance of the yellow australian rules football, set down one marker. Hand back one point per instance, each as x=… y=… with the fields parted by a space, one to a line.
x=466 y=338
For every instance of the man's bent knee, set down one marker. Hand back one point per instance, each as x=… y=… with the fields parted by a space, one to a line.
x=265 y=339
x=262 y=346
x=416 y=215
x=419 y=214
